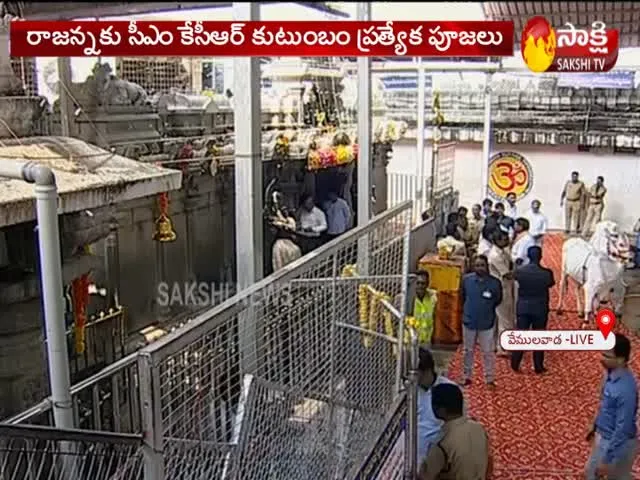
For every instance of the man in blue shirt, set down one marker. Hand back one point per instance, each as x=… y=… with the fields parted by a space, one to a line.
x=429 y=425
x=339 y=217
x=614 y=431
x=481 y=294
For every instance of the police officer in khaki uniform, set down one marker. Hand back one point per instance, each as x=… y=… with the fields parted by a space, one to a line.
x=571 y=199
x=463 y=452
x=595 y=206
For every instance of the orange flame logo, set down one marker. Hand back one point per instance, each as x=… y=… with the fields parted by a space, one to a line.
x=538 y=44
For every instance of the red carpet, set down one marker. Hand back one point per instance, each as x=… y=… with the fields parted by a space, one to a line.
x=538 y=424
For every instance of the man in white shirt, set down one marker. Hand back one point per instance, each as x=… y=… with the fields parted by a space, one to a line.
x=500 y=266
x=311 y=220
x=429 y=426
x=512 y=209
x=485 y=242
x=521 y=243
x=537 y=222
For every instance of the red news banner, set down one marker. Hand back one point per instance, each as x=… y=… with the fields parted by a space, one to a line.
x=261 y=39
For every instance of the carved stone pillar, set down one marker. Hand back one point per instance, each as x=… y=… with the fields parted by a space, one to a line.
x=381 y=155
x=112 y=261
x=163 y=235
x=10 y=84
x=224 y=196
x=190 y=203
x=348 y=184
x=163 y=312
x=16 y=110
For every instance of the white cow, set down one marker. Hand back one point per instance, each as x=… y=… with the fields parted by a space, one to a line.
x=597 y=267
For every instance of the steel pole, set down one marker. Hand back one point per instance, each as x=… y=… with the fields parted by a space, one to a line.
x=46 y=194
x=365 y=161
x=411 y=384
x=66 y=103
x=420 y=183
x=487 y=141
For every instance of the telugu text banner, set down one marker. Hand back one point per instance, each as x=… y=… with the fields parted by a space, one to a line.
x=261 y=39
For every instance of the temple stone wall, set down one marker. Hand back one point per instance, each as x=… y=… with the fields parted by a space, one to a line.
x=207 y=202
x=212 y=244
x=23 y=367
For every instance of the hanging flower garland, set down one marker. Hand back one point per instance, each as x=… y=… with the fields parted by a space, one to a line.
x=80 y=296
x=331 y=150
x=369 y=312
x=282 y=146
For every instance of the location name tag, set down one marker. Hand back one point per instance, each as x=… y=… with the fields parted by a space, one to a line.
x=486 y=294
x=560 y=340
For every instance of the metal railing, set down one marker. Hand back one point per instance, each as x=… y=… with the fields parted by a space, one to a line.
x=44 y=453
x=280 y=381
x=283 y=380
x=107 y=401
x=394 y=454
x=401 y=187
x=104 y=343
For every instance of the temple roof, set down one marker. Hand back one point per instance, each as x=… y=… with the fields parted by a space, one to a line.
x=87 y=177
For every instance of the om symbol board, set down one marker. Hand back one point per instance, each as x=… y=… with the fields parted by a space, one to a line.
x=509 y=172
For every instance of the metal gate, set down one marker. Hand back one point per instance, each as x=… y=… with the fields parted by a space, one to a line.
x=295 y=377
x=39 y=453
x=286 y=379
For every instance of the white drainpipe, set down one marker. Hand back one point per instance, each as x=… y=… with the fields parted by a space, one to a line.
x=51 y=281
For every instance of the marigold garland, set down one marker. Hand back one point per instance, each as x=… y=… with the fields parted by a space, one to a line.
x=369 y=313
x=363 y=312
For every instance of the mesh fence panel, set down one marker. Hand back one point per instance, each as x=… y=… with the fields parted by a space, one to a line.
x=40 y=453
x=281 y=382
x=25 y=70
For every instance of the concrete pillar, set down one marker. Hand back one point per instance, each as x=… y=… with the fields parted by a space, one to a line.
x=381 y=153
x=66 y=103
x=248 y=159
x=190 y=203
x=488 y=138
x=9 y=84
x=420 y=183
x=112 y=261
x=163 y=312
x=365 y=147
x=248 y=182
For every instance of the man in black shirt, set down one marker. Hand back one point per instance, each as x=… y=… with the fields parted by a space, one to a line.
x=532 y=307
x=505 y=221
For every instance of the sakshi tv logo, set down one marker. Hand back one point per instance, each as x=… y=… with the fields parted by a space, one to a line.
x=568 y=49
